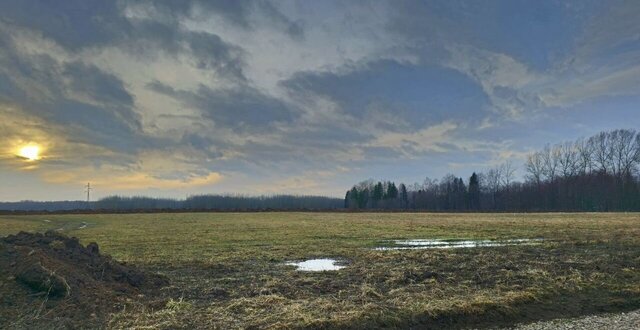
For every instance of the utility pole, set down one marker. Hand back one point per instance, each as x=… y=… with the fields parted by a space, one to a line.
x=88 y=187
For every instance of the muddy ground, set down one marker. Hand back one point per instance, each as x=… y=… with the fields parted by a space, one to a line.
x=52 y=281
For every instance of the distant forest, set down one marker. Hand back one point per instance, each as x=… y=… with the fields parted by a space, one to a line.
x=196 y=203
x=599 y=173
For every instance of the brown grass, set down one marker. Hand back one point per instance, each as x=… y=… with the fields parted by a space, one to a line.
x=227 y=269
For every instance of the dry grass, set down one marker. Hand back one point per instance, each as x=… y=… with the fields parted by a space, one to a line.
x=227 y=269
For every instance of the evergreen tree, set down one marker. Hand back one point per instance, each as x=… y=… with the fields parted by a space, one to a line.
x=346 y=199
x=378 y=193
x=474 y=192
x=404 y=196
x=392 y=191
x=363 y=198
x=355 y=197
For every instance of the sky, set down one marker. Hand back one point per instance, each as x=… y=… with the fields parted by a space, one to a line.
x=172 y=98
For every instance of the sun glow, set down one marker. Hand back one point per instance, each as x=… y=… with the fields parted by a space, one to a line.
x=30 y=152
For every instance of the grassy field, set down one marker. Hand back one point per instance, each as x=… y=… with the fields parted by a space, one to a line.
x=227 y=269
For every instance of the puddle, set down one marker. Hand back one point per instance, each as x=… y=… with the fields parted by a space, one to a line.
x=317 y=265
x=417 y=244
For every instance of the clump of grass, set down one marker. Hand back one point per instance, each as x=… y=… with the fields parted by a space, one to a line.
x=57 y=244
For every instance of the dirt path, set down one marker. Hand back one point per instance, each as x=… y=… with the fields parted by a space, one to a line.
x=621 y=321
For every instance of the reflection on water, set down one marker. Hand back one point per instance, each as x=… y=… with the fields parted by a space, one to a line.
x=316 y=265
x=415 y=244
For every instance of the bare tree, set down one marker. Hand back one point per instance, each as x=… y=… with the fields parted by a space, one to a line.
x=602 y=152
x=507 y=171
x=550 y=162
x=568 y=159
x=535 y=167
x=624 y=151
x=490 y=182
x=491 y=179
x=585 y=156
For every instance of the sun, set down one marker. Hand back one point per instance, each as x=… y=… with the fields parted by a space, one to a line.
x=30 y=152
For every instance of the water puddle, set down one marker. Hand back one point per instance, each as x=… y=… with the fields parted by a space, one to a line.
x=317 y=265
x=417 y=244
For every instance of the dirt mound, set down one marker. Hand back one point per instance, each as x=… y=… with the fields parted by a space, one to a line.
x=53 y=279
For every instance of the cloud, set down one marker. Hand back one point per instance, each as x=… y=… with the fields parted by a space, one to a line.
x=241 y=108
x=605 y=61
x=401 y=94
x=60 y=147
x=73 y=24
x=270 y=93
x=243 y=14
x=416 y=143
x=129 y=180
x=509 y=84
x=89 y=102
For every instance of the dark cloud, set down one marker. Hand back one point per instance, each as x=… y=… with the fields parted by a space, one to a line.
x=100 y=86
x=205 y=51
x=73 y=24
x=96 y=125
x=243 y=14
x=239 y=13
x=83 y=23
x=417 y=94
x=535 y=32
x=243 y=108
x=212 y=53
x=293 y=29
x=78 y=24
x=94 y=106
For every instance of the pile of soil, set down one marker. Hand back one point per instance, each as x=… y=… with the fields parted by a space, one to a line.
x=53 y=279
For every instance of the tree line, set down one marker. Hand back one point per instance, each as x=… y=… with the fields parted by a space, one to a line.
x=197 y=202
x=599 y=173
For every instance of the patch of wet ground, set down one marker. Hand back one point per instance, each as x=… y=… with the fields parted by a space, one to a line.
x=330 y=264
x=318 y=265
x=419 y=244
x=69 y=226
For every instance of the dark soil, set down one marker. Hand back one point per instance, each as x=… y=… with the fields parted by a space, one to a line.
x=52 y=280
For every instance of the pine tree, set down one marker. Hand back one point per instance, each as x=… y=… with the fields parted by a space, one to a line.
x=404 y=196
x=392 y=191
x=353 y=200
x=474 y=192
x=378 y=194
x=363 y=198
x=346 y=199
